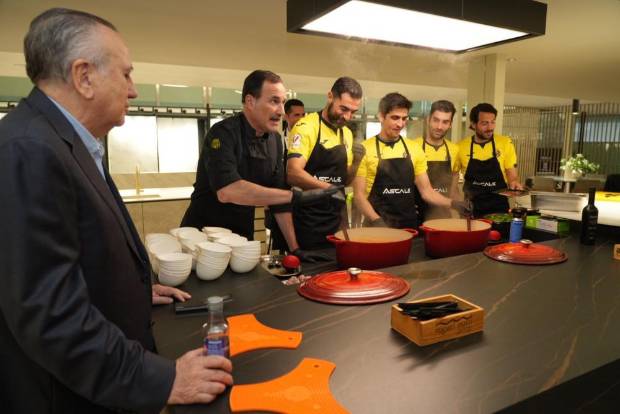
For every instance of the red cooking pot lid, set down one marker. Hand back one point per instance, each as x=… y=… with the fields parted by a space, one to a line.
x=525 y=252
x=354 y=287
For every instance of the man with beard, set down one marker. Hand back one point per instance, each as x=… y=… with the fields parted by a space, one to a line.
x=321 y=155
x=489 y=162
x=241 y=166
x=441 y=157
x=392 y=168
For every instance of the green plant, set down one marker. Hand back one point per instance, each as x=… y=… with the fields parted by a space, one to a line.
x=578 y=165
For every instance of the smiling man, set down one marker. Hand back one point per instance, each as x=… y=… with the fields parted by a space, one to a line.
x=489 y=162
x=241 y=166
x=384 y=189
x=321 y=155
x=442 y=157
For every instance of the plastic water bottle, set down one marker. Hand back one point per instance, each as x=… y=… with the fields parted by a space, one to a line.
x=216 y=329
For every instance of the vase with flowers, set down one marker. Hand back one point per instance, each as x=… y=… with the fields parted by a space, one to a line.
x=577 y=166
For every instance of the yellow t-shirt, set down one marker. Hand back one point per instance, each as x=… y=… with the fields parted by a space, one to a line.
x=370 y=162
x=439 y=154
x=303 y=137
x=504 y=150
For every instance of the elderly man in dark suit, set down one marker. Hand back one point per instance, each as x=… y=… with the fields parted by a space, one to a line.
x=75 y=282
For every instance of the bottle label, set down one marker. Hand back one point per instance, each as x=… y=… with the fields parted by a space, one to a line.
x=217 y=347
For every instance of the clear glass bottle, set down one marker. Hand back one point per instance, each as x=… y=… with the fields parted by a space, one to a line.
x=216 y=329
x=589 y=220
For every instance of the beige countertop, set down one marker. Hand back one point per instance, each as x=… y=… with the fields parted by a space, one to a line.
x=156 y=194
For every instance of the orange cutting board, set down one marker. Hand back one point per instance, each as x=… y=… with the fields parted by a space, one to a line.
x=247 y=334
x=304 y=390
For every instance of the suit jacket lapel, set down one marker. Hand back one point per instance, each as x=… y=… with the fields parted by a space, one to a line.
x=84 y=160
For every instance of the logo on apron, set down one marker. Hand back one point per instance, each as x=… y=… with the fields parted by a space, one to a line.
x=485 y=183
x=333 y=180
x=215 y=144
x=397 y=191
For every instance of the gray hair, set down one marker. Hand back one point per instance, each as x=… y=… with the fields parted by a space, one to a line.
x=56 y=38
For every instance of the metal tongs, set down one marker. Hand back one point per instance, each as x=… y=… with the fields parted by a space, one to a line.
x=429 y=310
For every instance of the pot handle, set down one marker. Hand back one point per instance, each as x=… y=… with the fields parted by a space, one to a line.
x=334 y=239
x=427 y=229
x=412 y=231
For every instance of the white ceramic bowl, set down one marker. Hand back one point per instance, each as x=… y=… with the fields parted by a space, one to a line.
x=209 y=230
x=172 y=280
x=164 y=246
x=153 y=237
x=176 y=230
x=242 y=265
x=214 y=249
x=233 y=241
x=207 y=272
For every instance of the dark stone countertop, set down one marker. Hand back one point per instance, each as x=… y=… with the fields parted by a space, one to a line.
x=544 y=326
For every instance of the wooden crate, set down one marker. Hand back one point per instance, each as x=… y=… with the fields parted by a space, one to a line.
x=439 y=329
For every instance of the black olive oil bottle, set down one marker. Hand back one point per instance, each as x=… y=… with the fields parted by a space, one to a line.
x=589 y=220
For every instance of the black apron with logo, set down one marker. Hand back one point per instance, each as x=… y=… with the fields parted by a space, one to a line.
x=392 y=194
x=482 y=178
x=263 y=164
x=440 y=176
x=313 y=223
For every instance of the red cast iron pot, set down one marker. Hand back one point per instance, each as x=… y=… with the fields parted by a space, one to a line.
x=373 y=247
x=450 y=237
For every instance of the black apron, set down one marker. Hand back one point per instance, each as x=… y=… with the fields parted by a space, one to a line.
x=440 y=176
x=264 y=167
x=482 y=178
x=392 y=194
x=313 y=223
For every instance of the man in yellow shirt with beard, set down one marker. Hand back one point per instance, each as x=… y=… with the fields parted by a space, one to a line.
x=392 y=167
x=489 y=162
x=442 y=157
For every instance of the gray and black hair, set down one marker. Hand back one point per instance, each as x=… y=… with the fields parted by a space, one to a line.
x=443 y=106
x=393 y=101
x=56 y=38
x=348 y=85
x=253 y=83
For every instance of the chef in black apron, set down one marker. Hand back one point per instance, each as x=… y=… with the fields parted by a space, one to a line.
x=392 y=193
x=440 y=176
x=482 y=179
x=313 y=223
x=241 y=166
x=320 y=150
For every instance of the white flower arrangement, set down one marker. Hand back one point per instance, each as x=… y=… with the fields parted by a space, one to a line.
x=578 y=165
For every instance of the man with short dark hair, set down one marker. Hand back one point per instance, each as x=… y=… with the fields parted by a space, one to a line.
x=489 y=162
x=384 y=189
x=294 y=110
x=442 y=157
x=75 y=303
x=241 y=167
x=321 y=155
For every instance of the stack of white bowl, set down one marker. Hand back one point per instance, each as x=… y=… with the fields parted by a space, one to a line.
x=212 y=260
x=245 y=256
x=192 y=234
x=159 y=243
x=174 y=268
x=232 y=240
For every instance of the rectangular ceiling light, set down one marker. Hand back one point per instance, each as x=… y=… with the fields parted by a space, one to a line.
x=455 y=26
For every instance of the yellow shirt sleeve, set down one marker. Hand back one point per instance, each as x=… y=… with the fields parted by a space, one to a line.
x=454 y=156
x=302 y=138
x=417 y=157
x=348 y=140
x=510 y=154
x=362 y=171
